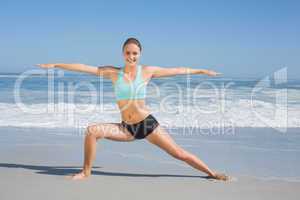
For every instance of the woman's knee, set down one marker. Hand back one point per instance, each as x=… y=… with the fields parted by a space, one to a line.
x=180 y=154
x=95 y=131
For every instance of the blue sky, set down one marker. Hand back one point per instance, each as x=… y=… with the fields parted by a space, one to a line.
x=237 y=38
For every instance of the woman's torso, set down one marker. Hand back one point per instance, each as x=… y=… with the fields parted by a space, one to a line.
x=132 y=110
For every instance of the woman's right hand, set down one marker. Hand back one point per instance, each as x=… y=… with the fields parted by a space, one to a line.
x=46 y=65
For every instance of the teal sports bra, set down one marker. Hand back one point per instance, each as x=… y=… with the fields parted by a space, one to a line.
x=134 y=90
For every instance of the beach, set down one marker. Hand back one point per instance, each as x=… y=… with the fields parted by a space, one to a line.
x=249 y=131
x=222 y=78
x=35 y=163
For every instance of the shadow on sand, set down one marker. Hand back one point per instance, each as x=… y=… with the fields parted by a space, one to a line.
x=67 y=170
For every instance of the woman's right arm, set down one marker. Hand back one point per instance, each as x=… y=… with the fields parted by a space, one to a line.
x=105 y=71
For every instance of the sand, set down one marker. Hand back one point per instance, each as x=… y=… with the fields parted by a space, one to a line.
x=34 y=163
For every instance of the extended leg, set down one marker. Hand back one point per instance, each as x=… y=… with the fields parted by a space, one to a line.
x=163 y=140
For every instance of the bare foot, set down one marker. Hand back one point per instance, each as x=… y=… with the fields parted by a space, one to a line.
x=221 y=177
x=79 y=176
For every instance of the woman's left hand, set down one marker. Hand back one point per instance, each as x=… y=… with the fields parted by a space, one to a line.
x=212 y=73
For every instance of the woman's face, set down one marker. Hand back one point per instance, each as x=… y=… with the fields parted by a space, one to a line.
x=131 y=54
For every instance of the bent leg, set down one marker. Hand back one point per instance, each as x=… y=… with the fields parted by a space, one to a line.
x=162 y=139
x=111 y=131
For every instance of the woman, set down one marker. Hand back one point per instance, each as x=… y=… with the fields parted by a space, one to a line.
x=137 y=121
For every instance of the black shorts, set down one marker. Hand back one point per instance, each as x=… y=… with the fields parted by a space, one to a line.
x=143 y=128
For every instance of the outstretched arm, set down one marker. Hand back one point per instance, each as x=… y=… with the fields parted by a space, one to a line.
x=104 y=71
x=164 y=72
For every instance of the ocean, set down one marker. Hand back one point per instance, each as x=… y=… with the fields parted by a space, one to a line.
x=75 y=100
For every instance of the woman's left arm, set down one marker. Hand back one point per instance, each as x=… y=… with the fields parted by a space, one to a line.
x=164 y=72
